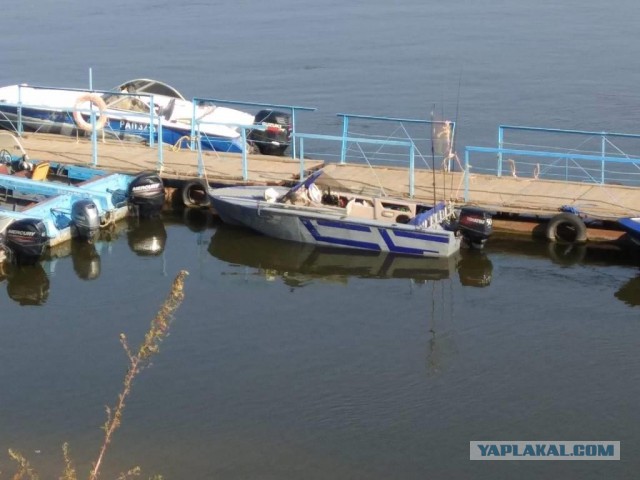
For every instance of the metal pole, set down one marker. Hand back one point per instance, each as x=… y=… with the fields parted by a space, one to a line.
x=160 y=148
x=603 y=151
x=94 y=136
x=466 y=175
x=193 y=124
x=301 y=157
x=293 y=132
x=412 y=180
x=500 y=145
x=151 y=126
x=19 y=110
x=345 y=135
x=245 y=166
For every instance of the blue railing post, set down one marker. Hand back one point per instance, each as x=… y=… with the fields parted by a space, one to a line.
x=245 y=163
x=301 y=157
x=293 y=132
x=500 y=144
x=466 y=175
x=160 y=147
x=19 y=110
x=412 y=179
x=94 y=137
x=345 y=134
x=151 y=126
x=200 y=159
x=604 y=154
x=193 y=125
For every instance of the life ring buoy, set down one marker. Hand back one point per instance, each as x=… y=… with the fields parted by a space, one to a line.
x=195 y=194
x=566 y=227
x=96 y=100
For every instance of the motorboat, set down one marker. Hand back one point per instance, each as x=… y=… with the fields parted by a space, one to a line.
x=36 y=214
x=305 y=214
x=128 y=112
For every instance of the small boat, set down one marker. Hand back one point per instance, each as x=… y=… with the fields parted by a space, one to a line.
x=37 y=214
x=339 y=219
x=631 y=225
x=129 y=109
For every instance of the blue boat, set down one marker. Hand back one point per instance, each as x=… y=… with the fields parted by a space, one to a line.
x=631 y=225
x=38 y=214
x=129 y=111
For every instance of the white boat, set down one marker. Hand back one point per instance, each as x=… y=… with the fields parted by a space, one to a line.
x=338 y=219
x=128 y=110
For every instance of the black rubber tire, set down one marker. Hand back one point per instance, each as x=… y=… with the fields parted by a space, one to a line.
x=567 y=228
x=194 y=194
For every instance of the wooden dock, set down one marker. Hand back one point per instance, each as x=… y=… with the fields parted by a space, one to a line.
x=128 y=157
x=507 y=195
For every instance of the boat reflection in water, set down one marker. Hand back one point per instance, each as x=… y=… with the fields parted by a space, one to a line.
x=298 y=264
x=629 y=293
x=26 y=284
x=29 y=284
x=146 y=236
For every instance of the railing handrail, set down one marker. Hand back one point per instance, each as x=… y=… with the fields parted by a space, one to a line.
x=568 y=131
x=547 y=154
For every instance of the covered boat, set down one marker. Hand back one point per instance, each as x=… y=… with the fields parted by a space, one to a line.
x=130 y=110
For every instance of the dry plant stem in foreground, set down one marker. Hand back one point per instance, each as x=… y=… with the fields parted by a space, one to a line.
x=139 y=360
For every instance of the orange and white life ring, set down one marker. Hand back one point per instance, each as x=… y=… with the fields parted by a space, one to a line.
x=96 y=100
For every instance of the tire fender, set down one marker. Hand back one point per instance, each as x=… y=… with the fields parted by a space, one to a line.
x=195 y=194
x=572 y=223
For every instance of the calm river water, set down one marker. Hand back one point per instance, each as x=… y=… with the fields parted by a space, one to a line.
x=288 y=362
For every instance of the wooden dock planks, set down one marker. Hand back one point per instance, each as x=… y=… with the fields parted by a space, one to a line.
x=525 y=196
x=503 y=194
x=127 y=157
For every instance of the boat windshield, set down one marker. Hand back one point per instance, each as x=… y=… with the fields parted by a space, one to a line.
x=138 y=86
x=307 y=182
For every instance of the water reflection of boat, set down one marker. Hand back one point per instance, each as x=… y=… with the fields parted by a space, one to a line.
x=629 y=293
x=29 y=284
x=298 y=262
x=565 y=254
x=146 y=237
x=26 y=284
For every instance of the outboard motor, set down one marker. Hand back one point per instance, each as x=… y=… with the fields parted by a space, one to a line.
x=26 y=239
x=146 y=194
x=85 y=219
x=275 y=139
x=475 y=225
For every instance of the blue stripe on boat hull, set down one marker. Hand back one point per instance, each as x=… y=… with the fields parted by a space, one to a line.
x=62 y=123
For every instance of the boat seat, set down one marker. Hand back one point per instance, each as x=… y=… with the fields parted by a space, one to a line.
x=394 y=211
x=39 y=172
x=358 y=209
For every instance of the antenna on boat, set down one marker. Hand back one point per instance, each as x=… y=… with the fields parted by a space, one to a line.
x=452 y=146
